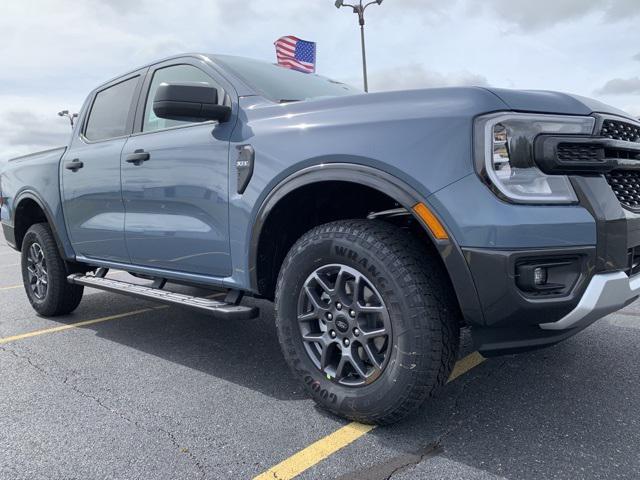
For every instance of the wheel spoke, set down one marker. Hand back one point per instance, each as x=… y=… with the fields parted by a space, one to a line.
x=324 y=357
x=358 y=366
x=33 y=253
x=305 y=317
x=314 y=299
x=357 y=286
x=370 y=309
x=314 y=337
x=372 y=356
x=323 y=285
x=341 y=284
x=380 y=332
x=340 y=368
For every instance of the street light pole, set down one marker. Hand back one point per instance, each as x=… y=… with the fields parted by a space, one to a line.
x=359 y=9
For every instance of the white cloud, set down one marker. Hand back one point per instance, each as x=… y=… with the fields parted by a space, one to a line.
x=538 y=15
x=417 y=76
x=30 y=124
x=620 y=86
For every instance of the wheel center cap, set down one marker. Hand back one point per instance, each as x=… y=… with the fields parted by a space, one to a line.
x=342 y=325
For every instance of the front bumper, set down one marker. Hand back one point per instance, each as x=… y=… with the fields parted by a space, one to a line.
x=514 y=321
x=605 y=294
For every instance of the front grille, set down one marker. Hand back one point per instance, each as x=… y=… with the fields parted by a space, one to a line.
x=618 y=130
x=575 y=152
x=626 y=185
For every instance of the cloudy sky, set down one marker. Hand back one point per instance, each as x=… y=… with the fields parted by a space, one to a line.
x=54 y=51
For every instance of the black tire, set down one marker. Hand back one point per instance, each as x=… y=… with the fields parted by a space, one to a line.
x=422 y=311
x=58 y=297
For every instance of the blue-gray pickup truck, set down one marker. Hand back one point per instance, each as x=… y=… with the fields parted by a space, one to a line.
x=380 y=224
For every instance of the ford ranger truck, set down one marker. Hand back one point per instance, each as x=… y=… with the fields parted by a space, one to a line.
x=379 y=224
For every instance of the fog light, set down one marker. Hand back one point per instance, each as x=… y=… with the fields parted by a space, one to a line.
x=540 y=276
x=547 y=276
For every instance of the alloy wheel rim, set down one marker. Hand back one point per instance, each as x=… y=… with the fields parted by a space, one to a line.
x=345 y=325
x=37 y=271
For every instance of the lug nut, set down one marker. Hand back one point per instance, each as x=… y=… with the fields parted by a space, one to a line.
x=339 y=306
x=332 y=333
x=346 y=342
x=352 y=313
x=356 y=331
x=329 y=316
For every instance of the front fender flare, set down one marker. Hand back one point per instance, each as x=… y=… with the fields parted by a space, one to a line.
x=393 y=187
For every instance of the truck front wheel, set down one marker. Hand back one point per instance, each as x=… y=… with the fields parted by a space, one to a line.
x=44 y=274
x=365 y=319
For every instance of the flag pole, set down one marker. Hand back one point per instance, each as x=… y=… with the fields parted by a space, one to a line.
x=359 y=9
x=364 y=56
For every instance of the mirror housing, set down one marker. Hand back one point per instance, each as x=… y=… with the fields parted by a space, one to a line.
x=189 y=102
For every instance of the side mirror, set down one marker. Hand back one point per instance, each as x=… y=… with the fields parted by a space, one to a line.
x=189 y=102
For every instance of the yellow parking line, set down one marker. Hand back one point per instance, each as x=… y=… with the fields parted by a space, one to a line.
x=465 y=364
x=13 y=287
x=323 y=448
x=316 y=452
x=70 y=326
x=62 y=328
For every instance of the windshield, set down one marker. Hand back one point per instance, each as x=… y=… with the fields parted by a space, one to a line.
x=283 y=84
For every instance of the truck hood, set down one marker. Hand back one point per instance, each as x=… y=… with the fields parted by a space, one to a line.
x=453 y=101
x=541 y=101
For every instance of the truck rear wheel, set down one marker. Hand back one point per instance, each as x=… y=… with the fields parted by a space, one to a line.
x=365 y=319
x=44 y=274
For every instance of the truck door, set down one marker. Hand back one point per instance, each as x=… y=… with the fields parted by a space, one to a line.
x=90 y=172
x=174 y=181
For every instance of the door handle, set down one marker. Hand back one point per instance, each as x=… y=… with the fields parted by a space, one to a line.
x=137 y=157
x=74 y=165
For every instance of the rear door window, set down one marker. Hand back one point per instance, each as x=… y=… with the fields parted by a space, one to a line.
x=110 y=111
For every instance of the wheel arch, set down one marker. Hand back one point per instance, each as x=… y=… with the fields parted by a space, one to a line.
x=31 y=209
x=385 y=184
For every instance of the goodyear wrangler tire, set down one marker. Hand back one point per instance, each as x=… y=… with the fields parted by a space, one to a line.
x=44 y=274
x=365 y=318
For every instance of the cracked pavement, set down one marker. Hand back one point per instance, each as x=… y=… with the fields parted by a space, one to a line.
x=169 y=394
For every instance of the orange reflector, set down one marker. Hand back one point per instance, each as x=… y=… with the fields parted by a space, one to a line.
x=431 y=221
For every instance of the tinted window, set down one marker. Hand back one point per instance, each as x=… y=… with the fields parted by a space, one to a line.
x=108 y=117
x=279 y=83
x=173 y=74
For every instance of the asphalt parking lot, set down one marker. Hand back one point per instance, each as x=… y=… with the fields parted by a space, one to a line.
x=144 y=391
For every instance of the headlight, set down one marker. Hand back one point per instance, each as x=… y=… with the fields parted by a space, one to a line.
x=504 y=155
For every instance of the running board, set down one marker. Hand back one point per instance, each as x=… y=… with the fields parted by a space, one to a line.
x=213 y=307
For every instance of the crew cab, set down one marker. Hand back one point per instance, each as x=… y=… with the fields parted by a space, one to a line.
x=380 y=224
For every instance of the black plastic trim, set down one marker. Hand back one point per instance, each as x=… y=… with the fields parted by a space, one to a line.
x=547 y=158
x=10 y=235
x=403 y=194
x=616 y=231
x=504 y=304
x=48 y=215
x=244 y=166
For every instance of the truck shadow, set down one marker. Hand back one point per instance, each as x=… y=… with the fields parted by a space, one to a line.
x=246 y=353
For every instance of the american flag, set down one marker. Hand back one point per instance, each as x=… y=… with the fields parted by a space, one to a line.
x=296 y=54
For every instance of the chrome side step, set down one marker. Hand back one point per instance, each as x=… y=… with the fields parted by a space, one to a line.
x=216 y=308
